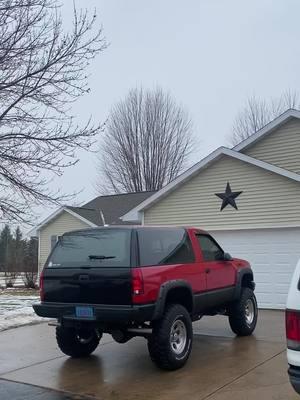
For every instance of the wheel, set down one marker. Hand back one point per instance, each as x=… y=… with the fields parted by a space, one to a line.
x=171 y=341
x=243 y=313
x=77 y=343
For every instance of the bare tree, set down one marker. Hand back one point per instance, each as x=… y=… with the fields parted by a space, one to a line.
x=258 y=113
x=42 y=72
x=146 y=144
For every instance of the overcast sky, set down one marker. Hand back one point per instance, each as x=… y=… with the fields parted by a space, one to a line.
x=210 y=54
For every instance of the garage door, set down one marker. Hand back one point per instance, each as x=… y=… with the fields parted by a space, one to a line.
x=273 y=254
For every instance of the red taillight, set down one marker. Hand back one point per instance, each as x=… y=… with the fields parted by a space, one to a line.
x=292 y=323
x=137 y=282
x=42 y=293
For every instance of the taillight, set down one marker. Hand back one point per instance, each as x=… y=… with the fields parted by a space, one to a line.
x=42 y=293
x=292 y=323
x=137 y=282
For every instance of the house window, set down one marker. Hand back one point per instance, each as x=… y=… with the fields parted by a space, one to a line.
x=54 y=239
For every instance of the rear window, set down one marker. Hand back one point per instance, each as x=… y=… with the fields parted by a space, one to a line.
x=104 y=248
x=164 y=246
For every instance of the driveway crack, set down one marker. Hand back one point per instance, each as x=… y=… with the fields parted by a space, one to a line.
x=242 y=375
x=40 y=362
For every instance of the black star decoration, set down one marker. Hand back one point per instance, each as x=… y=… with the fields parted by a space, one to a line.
x=228 y=197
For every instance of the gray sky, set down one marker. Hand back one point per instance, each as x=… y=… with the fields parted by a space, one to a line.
x=211 y=56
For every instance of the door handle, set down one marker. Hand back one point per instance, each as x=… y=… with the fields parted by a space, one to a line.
x=207 y=270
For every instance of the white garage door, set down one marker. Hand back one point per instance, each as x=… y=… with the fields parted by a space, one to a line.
x=273 y=254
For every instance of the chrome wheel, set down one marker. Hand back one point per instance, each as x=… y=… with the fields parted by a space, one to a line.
x=178 y=336
x=249 y=311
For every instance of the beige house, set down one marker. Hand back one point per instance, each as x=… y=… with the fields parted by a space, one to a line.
x=249 y=198
x=101 y=210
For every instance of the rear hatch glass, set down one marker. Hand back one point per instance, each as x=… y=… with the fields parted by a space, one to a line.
x=90 y=267
x=101 y=248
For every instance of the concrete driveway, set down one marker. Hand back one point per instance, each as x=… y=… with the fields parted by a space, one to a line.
x=221 y=366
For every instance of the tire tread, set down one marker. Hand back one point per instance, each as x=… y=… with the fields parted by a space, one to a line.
x=159 y=343
x=237 y=314
x=69 y=345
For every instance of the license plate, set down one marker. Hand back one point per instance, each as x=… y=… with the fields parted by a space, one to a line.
x=84 y=312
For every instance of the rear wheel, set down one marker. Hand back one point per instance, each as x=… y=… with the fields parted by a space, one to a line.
x=243 y=313
x=77 y=343
x=171 y=341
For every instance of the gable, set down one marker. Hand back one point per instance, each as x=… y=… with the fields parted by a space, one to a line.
x=281 y=147
x=62 y=223
x=268 y=199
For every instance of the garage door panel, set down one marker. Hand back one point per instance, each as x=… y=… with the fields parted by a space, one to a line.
x=282 y=279
x=273 y=254
x=264 y=288
x=262 y=279
x=259 y=259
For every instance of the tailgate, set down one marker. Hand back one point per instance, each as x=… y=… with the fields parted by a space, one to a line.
x=93 y=286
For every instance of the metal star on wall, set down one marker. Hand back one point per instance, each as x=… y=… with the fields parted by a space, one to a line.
x=228 y=198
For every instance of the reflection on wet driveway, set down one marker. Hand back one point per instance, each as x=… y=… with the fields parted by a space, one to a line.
x=221 y=366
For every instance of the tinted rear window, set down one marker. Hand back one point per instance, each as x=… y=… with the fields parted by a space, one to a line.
x=164 y=246
x=104 y=248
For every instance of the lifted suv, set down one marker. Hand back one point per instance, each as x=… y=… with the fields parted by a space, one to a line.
x=143 y=281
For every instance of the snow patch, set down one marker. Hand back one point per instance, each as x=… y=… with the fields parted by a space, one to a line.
x=17 y=311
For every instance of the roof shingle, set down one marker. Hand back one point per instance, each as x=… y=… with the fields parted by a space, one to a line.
x=112 y=207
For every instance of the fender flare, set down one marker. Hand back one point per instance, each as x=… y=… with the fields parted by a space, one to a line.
x=240 y=274
x=163 y=292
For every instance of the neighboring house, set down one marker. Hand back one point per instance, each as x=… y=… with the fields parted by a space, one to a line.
x=102 y=210
x=260 y=218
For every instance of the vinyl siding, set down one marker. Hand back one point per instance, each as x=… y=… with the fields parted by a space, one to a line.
x=63 y=223
x=281 y=147
x=268 y=200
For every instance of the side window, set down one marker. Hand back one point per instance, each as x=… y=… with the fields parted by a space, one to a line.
x=54 y=239
x=211 y=251
x=164 y=247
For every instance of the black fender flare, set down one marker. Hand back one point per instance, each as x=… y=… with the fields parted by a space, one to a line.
x=163 y=292
x=239 y=278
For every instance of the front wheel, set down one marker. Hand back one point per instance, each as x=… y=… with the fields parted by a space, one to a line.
x=77 y=343
x=171 y=341
x=243 y=313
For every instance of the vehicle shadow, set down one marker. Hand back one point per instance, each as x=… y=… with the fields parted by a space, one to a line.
x=81 y=375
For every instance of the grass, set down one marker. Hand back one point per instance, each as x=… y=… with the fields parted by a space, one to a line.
x=19 y=292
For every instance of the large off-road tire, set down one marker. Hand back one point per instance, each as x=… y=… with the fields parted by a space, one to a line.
x=77 y=343
x=243 y=313
x=172 y=336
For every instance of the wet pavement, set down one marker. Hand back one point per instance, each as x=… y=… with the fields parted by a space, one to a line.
x=20 y=391
x=221 y=366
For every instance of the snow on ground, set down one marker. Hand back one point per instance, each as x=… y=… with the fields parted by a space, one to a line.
x=16 y=310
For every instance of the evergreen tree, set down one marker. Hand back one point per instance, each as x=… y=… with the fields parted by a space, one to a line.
x=18 y=246
x=31 y=262
x=6 y=240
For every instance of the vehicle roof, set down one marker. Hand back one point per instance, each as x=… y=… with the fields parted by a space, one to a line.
x=134 y=227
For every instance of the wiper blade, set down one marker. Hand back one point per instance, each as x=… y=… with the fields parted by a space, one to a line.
x=100 y=257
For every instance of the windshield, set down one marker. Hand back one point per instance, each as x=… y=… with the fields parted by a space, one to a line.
x=101 y=248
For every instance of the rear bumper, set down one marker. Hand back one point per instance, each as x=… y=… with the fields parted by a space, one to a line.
x=102 y=313
x=294 y=375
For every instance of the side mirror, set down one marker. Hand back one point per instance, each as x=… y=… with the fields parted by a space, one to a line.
x=227 y=257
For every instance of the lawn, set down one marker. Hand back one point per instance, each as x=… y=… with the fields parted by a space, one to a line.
x=16 y=307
